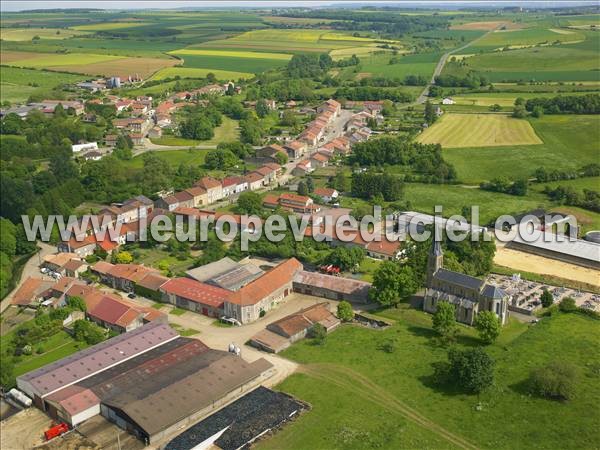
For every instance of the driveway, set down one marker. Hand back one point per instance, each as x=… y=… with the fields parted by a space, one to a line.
x=31 y=269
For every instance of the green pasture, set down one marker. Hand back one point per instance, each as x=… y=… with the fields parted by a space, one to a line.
x=358 y=391
x=18 y=84
x=418 y=64
x=569 y=142
x=27 y=34
x=191 y=72
x=528 y=36
x=230 y=60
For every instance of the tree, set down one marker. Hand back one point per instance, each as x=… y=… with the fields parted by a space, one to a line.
x=444 y=320
x=340 y=182
x=213 y=251
x=318 y=333
x=392 y=283
x=347 y=258
x=88 y=332
x=472 y=369
x=538 y=112
x=310 y=184
x=77 y=302
x=289 y=119
x=302 y=188
x=488 y=326
x=261 y=108
x=546 y=298
x=519 y=112
x=430 y=115
x=495 y=107
x=282 y=158
x=220 y=159
x=123 y=258
x=345 y=312
x=7 y=377
x=249 y=203
x=567 y=304
x=556 y=380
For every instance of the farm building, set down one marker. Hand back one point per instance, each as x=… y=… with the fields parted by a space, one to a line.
x=149 y=382
x=332 y=287
x=579 y=252
x=226 y=273
x=195 y=296
x=240 y=423
x=262 y=294
x=281 y=334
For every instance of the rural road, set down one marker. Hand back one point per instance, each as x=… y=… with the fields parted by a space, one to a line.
x=440 y=65
x=29 y=269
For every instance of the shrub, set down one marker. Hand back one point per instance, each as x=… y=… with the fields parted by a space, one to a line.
x=546 y=298
x=555 y=381
x=318 y=333
x=567 y=304
x=488 y=326
x=345 y=312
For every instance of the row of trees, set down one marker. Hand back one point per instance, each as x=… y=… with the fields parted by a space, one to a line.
x=372 y=93
x=374 y=185
x=543 y=175
x=567 y=195
x=506 y=186
x=565 y=104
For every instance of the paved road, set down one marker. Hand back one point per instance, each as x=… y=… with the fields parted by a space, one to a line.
x=30 y=269
x=440 y=65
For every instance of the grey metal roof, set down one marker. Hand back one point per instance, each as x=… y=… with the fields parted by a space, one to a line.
x=97 y=358
x=458 y=279
x=214 y=269
x=491 y=291
x=577 y=248
x=450 y=298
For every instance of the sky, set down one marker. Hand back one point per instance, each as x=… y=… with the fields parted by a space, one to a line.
x=19 y=5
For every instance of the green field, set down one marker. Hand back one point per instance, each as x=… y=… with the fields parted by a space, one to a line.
x=18 y=84
x=576 y=61
x=530 y=36
x=189 y=72
x=27 y=34
x=479 y=130
x=419 y=64
x=360 y=394
x=506 y=99
x=569 y=142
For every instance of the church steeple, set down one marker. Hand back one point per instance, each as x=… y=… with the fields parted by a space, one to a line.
x=435 y=260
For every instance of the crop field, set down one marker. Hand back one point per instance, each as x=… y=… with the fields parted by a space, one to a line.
x=27 y=34
x=360 y=393
x=481 y=26
x=528 y=37
x=479 y=130
x=45 y=60
x=255 y=62
x=189 y=72
x=122 y=67
x=109 y=26
x=292 y=41
x=569 y=142
x=18 y=84
x=420 y=64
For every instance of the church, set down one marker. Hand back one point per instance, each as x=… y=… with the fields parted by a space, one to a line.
x=468 y=294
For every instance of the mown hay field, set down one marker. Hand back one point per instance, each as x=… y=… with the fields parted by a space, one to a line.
x=479 y=130
x=190 y=72
x=232 y=54
x=108 y=26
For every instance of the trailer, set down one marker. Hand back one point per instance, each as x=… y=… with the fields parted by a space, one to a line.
x=56 y=431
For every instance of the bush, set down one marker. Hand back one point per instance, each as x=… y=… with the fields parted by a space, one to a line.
x=345 y=312
x=488 y=326
x=567 y=304
x=546 y=298
x=471 y=369
x=318 y=333
x=555 y=381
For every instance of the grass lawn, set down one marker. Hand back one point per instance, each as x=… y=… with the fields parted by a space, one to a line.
x=569 y=142
x=479 y=130
x=173 y=157
x=156 y=257
x=228 y=131
x=194 y=72
x=360 y=394
x=367 y=268
x=177 y=311
x=185 y=332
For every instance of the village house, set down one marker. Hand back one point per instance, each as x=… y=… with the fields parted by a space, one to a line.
x=270 y=152
x=330 y=105
x=304 y=167
x=57 y=262
x=327 y=194
x=199 y=196
x=255 y=181
x=213 y=187
x=235 y=184
x=110 y=140
x=292 y=202
x=269 y=174
x=121 y=276
x=295 y=149
x=229 y=184
x=319 y=160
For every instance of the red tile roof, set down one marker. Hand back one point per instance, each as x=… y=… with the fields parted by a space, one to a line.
x=197 y=292
x=208 y=183
x=266 y=284
x=324 y=192
x=30 y=288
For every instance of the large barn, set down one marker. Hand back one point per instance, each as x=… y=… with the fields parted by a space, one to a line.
x=149 y=382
